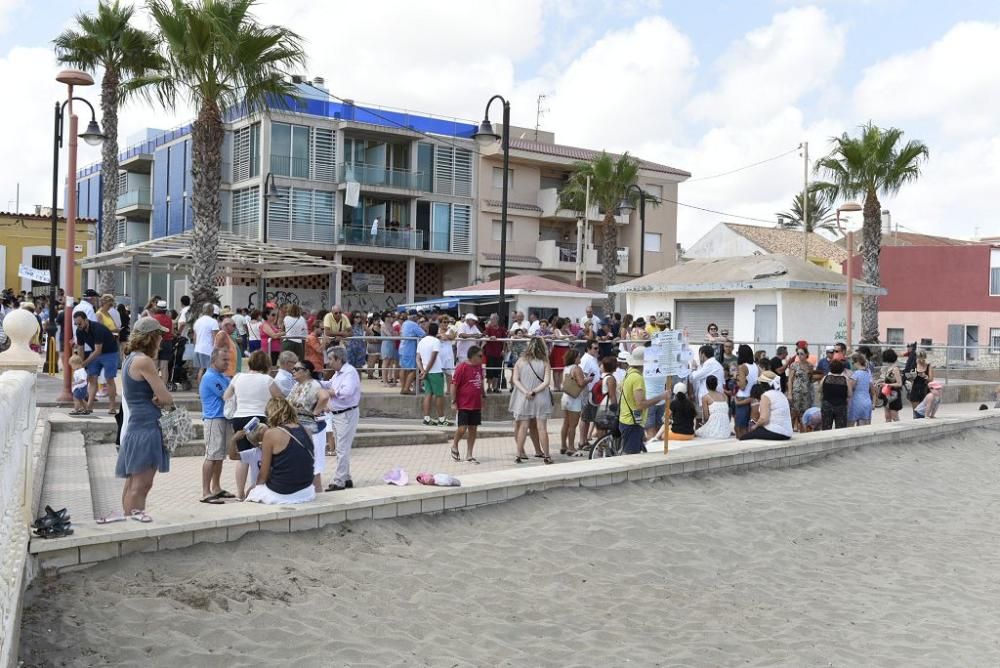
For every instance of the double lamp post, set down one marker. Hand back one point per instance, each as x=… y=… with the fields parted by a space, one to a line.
x=93 y=136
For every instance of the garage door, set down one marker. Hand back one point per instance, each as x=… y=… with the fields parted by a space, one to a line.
x=696 y=314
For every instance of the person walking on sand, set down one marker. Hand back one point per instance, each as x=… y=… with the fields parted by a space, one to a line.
x=217 y=429
x=531 y=400
x=345 y=396
x=468 y=402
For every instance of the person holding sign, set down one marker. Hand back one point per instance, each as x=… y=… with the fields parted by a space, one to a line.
x=633 y=404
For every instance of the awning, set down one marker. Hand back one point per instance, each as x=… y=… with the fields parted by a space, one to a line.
x=445 y=303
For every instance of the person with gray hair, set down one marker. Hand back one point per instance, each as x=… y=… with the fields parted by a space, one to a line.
x=284 y=377
x=345 y=395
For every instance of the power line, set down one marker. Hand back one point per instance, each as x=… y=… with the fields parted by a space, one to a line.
x=720 y=213
x=740 y=169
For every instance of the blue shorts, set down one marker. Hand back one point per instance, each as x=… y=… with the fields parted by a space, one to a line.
x=408 y=362
x=107 y=362
x=742 y=415
x=632 y=435
x=655 y=415
x=81 y=394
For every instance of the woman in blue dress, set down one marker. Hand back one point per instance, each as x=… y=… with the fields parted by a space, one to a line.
x=859 y=412
x=142 y=453
x=357 y=351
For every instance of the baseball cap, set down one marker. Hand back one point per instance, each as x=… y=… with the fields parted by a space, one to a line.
x=148 y=325
x=161 y=304
x=831 y=349
x=90 y=292
x=623 y=357
x=472 y=316
x=680 y=387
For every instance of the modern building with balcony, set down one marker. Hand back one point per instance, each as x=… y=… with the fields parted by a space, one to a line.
x=545 y=239
x=404 y=200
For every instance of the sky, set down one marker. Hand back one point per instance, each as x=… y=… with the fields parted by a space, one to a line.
x=709 y=87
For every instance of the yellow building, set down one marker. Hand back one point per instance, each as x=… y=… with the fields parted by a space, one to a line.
x=26 y=239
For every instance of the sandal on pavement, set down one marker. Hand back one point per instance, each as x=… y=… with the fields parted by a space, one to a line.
x=472 y=460
x=547 y=460
x=113 y=517
x=455 y=456
x=223 y=494
x=141 y=516
x=520 y=459
x=212 y=499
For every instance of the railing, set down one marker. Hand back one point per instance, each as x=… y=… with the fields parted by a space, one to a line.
x=283 y=165
x=375 y=175
x=17 y=421
x=135 y=197
x=361 y=235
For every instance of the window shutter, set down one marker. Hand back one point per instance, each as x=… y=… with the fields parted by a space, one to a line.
x=241 y=154
x=324 y=216
x=278 y=216
x=301 y=214
x=461 y=215
x=444 y=170
x=324 y=155
x=246 y=213
x=463 y=172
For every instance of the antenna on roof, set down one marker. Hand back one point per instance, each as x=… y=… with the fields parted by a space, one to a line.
x=539 y=112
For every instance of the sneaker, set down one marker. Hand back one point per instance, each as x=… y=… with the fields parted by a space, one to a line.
x=427 y=421
x=444 y=422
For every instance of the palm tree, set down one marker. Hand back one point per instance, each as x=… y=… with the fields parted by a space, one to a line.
x=610 y=179
x=218 y=57
x=107 y=41
x=818 y=209
x=873 y=163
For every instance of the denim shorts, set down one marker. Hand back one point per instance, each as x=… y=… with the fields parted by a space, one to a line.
x=742 y=415
x=80 y=394
x=106 y=362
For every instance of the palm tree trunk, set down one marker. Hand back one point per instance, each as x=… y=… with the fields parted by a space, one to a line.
x=609 y=260
x=870 y=248
x=109 y=175
x=206 y=176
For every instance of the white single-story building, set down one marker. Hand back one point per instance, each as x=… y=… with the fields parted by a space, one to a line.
x=527 y=293
x=761 y=299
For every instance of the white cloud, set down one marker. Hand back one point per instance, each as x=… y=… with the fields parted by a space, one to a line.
x=8 y=7
x=772 y=67
x=953 y=82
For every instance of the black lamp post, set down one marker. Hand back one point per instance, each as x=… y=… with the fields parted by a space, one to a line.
x=626 y=207
x=271 y=195
x=93 y=136
x=486 y=136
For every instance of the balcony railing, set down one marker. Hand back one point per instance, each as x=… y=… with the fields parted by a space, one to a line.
x=135 y=197
x=283 y=165
x=374 y=175
x=360 y=235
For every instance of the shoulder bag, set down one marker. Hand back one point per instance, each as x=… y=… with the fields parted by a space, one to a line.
x=570 y=386
x=176 y=427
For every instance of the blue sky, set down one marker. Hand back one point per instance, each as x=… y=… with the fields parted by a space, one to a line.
x=706 y=86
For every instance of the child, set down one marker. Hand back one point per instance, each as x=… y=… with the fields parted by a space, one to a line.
x=80 y=391
x=468 y=402
x=928 y=407
x=812 y=419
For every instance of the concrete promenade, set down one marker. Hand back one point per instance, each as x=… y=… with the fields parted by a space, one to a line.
x=82 y=479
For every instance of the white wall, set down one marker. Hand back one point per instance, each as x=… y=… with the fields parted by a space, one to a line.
x=808 y=315
x=569 y=307
x=720 y=241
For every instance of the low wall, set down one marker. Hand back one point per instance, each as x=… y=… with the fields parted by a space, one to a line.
x=17 y=432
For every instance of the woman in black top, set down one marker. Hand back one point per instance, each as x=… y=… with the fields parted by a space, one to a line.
x=682 y=414
x=286 y=468
x=835 y=390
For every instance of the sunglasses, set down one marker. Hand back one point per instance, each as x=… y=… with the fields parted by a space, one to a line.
x=299 y=368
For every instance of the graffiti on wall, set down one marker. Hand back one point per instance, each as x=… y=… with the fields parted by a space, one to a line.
x=370 y=302
x=281 y=297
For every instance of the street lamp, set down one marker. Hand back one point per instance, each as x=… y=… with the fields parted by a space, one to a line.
x=93 y=136
x=849 y=206
x=626 y=207
x=271 y=196
x=485 y=136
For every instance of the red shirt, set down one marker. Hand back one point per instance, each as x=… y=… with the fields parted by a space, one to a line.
x=468 y=382
x=494 y=348
x=164 y=319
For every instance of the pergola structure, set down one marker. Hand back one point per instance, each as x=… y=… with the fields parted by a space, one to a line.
x=238 y=257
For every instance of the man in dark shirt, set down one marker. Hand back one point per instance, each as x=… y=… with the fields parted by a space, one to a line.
x=778 y=364
x=100 y=353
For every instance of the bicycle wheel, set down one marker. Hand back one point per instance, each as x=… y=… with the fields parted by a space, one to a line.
x=605 y=447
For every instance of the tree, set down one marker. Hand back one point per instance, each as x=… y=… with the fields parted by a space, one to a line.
x=818 y=209
x=610 y=179
x=108 y=42
x=874 y=163
x=217 y=56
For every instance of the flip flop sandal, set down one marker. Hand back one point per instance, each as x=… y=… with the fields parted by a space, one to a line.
x=141 y=516
x=62 y=513
x=520 y=460
x=109 y=519
x=214 y=500
x=472 y=460
x=75 y=412
x=547 y=460
x=55 y=532
x=577 y=453
x=225 y=495
x=539 y=456
x=456 y=456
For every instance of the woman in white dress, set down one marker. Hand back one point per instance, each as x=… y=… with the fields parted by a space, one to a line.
x=531 y=400
x=715 y=412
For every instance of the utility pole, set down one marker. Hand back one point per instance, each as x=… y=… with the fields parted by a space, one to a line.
x=805 y=200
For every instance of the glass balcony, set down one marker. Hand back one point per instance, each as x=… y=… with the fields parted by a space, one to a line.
x=360 y=235
x=283 y=165
x=374 y=175
x=135 y=198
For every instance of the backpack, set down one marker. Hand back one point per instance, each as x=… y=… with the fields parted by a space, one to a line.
x=597 y=392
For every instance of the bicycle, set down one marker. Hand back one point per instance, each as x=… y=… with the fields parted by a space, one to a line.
x=608 y=445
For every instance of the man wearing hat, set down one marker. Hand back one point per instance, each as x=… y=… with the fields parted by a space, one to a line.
x=823 y=365
x=632 y=408
x=167 y=342
x=410 y=333
x=468 y=335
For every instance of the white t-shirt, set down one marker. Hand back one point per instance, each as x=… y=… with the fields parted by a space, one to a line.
x=182 y=323
x=86 y=307
x=79 y=378
x=446 y=357
x=296 y=329
x=205 y=328
x=462 y=345
x=426 y=348
x=252 y=392
x=780 y=421
x=591 y=370
x=534 y=327
x=240 y=321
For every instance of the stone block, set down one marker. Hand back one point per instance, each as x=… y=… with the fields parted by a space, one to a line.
x=69 y=556
x=408 y=508
x=384 y=512
x=334 y=517
x=616 y=478
x=138 y=545
x=496 y=495
x=277 y=526
x=303 y=523
x=359 y=513
x=175 y=541
x=512 y=492
x=434 y=505
x=239 y=530
x=215 y=535
x=453 y=501
x=476 y=498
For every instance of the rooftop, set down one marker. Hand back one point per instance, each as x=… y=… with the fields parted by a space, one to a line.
x=576 y=153
x=744 y=273
x=917 y=239
x=525 y=283
x=789 y=242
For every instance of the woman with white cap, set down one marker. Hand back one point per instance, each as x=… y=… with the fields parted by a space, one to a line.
x=682 y=414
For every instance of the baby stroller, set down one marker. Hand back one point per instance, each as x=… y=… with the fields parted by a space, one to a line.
x=178 y=372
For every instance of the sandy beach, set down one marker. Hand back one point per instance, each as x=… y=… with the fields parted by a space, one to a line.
x=884 y=556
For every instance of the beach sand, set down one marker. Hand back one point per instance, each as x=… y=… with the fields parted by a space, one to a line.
x=884 y=556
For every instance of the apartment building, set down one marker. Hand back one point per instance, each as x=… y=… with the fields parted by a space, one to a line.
x=338 y=167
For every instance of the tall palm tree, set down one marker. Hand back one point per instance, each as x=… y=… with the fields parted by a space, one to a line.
x=218 y=56
x=874 y=162
x=107 y=41
x=610 y=179
x=818 y=209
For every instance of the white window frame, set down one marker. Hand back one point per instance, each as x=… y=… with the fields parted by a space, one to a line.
x=995 y=340
x=994 y=285
x=654 y=189
x=648 y=247
x=498 y=178
x=495 y=230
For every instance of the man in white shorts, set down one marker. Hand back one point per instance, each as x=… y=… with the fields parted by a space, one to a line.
x=217 y=428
